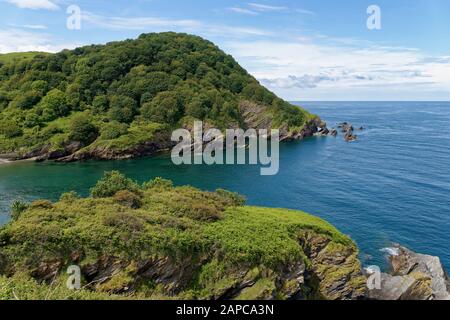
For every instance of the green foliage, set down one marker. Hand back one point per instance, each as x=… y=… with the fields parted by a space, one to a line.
x=17 y=208
x=113 y=130
x=10 y=128
x=158 y=183
x=23 y=287
x=219 y=239
x=111 y=183
x=100 y=104
x=82 y=129
x=122 y=109
x=157 y=78
x=41 y=204
x=54 y=105
x=27 y=100
x=128 y=199
x=167 y=107
x=235 y=198
x=69 y=197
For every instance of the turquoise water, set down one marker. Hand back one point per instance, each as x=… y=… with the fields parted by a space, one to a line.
x=393 y=184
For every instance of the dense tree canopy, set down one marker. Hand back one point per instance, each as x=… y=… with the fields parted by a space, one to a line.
x=158 y=78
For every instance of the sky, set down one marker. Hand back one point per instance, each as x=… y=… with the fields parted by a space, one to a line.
x=319 y=50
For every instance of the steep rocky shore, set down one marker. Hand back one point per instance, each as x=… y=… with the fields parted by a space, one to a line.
x=255 y=116
x=412 y=276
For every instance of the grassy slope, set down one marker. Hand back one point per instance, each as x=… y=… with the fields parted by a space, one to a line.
x=182 y=223
x=19 y=56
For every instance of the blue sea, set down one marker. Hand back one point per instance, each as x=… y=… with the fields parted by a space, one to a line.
x=392 y=185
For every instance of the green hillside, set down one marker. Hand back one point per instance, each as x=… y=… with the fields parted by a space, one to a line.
x=157 y=241
x=122 y=95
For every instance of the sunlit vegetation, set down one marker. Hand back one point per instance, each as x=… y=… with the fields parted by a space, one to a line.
x=110 y=94
x=209 y=237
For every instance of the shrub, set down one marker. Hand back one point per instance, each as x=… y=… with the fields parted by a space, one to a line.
x=122 y=109
x=232 y=198
x=54 y=105
x=113 y=130
x=42 y=204
x=69 y=197
x=166 y=107
x=17 y=208
x=128 y=199
x=204 y=212
x=111 y=183
x=10 y=129
x=82 y=130
x=100 y=104
x=158 y=183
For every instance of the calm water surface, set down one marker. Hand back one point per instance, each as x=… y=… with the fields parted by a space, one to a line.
x=392 y=185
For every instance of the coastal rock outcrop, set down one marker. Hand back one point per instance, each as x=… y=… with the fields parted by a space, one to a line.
x=178 y=243
x=413 y=276
x=347 y=129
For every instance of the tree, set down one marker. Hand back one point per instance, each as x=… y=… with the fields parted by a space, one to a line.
x=17 y=208
x=100 y=104
x=54 y=105
x=10 y=128
x=113 y=182
x=122 y=109
x=167 y=107
x=113 y=130
x=82 y=130
x=26 y=100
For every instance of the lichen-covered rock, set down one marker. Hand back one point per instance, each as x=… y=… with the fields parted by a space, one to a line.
x=335 y=269
x=413 y=276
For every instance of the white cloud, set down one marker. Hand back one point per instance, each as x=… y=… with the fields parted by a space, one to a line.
x=257 y=8
x=236 y=32
x=243 y=11
x=14 y=40
x=162 y=24
x=299 y=69
x=35 y=26
x=34 y=4
x=266 y=8
x=136 y=23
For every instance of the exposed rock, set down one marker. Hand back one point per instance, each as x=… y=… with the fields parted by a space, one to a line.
x=160 y=142
x=335 y=269
x=413 y=276
x=349 y=137
x=347 y=129
x=333 y=133
x=47 y=270
x=257 y=117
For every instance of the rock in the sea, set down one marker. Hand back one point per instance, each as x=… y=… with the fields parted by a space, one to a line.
x=349 y=136
x=413 y=277
x=333 y=132
x=348 y=129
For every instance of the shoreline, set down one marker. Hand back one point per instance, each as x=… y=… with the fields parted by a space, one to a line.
x=4 y=161
x=8 y=161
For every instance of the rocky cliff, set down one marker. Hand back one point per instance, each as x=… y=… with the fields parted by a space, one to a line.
x=412 y=276
x=160 y=242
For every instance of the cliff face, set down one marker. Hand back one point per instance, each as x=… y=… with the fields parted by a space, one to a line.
x=162 y=242
x=257 y=116
x=413 y=276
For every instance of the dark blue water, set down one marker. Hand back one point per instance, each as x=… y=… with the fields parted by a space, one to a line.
x=392 y=185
